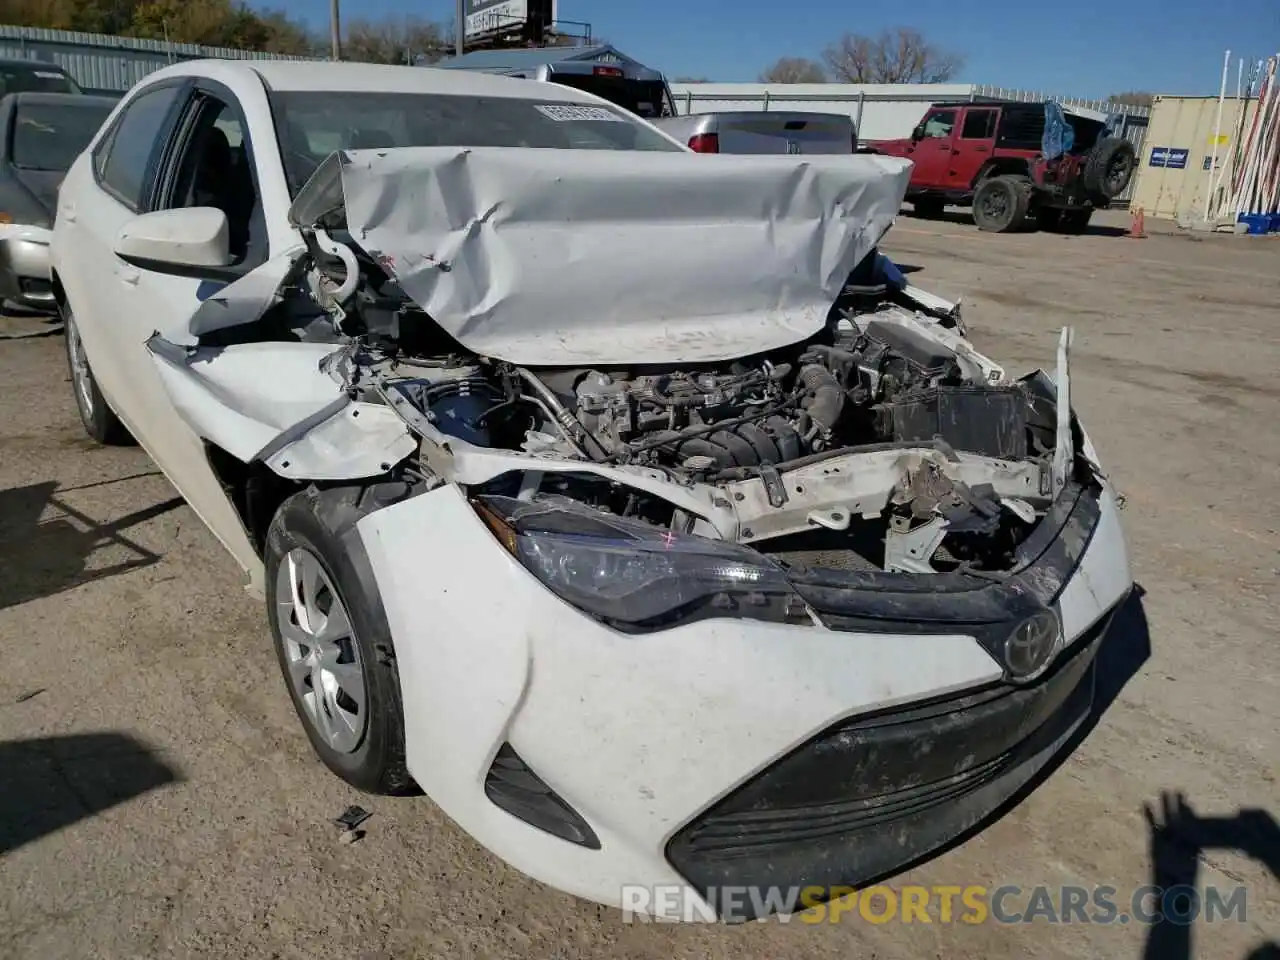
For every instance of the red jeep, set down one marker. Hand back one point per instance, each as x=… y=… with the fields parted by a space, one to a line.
x=989 y=155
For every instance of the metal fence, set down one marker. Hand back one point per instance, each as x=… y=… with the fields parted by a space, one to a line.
x=109 y=64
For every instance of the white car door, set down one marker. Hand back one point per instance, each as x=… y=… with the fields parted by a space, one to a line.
x=104 y=190
x=177 y=146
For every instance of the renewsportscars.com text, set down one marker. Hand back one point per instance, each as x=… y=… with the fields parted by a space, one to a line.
x=969 y=904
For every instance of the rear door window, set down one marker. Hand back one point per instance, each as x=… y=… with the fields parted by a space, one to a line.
x=978 y=125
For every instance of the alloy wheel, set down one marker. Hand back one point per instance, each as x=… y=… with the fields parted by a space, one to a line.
x=321 y=652
x=81 y=377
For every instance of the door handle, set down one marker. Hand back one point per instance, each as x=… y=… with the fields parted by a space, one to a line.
x=129 y=275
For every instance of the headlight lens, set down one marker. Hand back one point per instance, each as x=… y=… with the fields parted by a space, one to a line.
x=634 y=575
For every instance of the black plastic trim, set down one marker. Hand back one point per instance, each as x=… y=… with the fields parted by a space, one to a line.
x=190 y=271
x=515 y=788
x=875 y=793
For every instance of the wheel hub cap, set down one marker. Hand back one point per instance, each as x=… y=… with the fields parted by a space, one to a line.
x=320 y=650
x=80 y=376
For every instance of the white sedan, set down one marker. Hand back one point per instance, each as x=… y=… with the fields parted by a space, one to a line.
x=624 y=500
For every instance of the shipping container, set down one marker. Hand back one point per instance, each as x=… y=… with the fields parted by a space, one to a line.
x=1174 y=176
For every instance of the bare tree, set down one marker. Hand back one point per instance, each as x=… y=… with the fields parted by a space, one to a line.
x=690 y=80
x=900 y=55
x=394 y=40
x=794 y=70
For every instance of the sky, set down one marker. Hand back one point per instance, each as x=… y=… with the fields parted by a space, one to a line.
x=1089 y=48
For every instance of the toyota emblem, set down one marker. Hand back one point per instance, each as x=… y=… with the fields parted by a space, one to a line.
x=1032 y=645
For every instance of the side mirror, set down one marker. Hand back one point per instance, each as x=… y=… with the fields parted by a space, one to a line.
x=187 y=242
x=918 y=133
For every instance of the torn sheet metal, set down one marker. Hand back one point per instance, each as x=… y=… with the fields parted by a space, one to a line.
x=241 y=301
x=360 y=440
x=273 y=402
x=552 y=257
x=1064 y=449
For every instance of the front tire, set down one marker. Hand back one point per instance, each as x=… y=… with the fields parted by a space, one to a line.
x=1000 y=204
x=100 y=421
x=332 y=638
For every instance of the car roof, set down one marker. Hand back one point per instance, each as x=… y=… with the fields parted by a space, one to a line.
x=31 y=64
x=325 y=76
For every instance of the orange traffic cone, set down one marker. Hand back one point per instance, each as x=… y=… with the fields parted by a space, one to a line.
x=1137 y=226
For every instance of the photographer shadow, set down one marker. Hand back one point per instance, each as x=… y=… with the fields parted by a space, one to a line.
x=1178 y=837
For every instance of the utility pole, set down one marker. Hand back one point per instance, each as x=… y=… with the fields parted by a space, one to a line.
x=335 y=32
x=460 y=27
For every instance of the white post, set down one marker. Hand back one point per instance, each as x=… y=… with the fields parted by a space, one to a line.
x=1217 y=132
x=1229 y=159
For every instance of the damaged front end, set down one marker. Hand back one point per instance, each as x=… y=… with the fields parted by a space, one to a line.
x=657 y=446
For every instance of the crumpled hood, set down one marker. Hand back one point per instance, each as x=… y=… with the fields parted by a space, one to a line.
x=565 y=257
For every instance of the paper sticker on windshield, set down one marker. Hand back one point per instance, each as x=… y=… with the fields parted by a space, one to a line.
x=567 y=111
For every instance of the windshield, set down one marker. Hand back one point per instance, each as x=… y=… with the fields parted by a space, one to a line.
x=19 y=79
x=312 y=125
x=48 y=136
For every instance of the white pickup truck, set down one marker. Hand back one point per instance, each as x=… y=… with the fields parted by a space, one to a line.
x=763 y=131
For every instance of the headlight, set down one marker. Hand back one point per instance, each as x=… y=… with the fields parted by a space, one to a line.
x=634 y=575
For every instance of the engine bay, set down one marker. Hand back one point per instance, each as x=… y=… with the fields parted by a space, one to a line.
x=884 y=442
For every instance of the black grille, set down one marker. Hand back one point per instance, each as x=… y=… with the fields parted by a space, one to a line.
x=871 y=794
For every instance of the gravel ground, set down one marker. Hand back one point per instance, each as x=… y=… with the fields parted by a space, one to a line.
x=158 y=798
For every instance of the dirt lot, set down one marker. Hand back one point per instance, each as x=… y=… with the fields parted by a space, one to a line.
x=157 y=797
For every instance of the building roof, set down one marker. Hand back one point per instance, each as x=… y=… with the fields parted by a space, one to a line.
x=524 y=58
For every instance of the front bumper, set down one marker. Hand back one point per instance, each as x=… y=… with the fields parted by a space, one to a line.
x=24 y=267
x=726 y=752
x=872 y=794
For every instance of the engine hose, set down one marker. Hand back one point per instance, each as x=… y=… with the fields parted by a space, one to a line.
x=578 y=434
x=705 y=447
x=839 y=362
x=726 y=449
x=828 y=397
x=739 y=449
x=784 y=437
x=766 y=450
